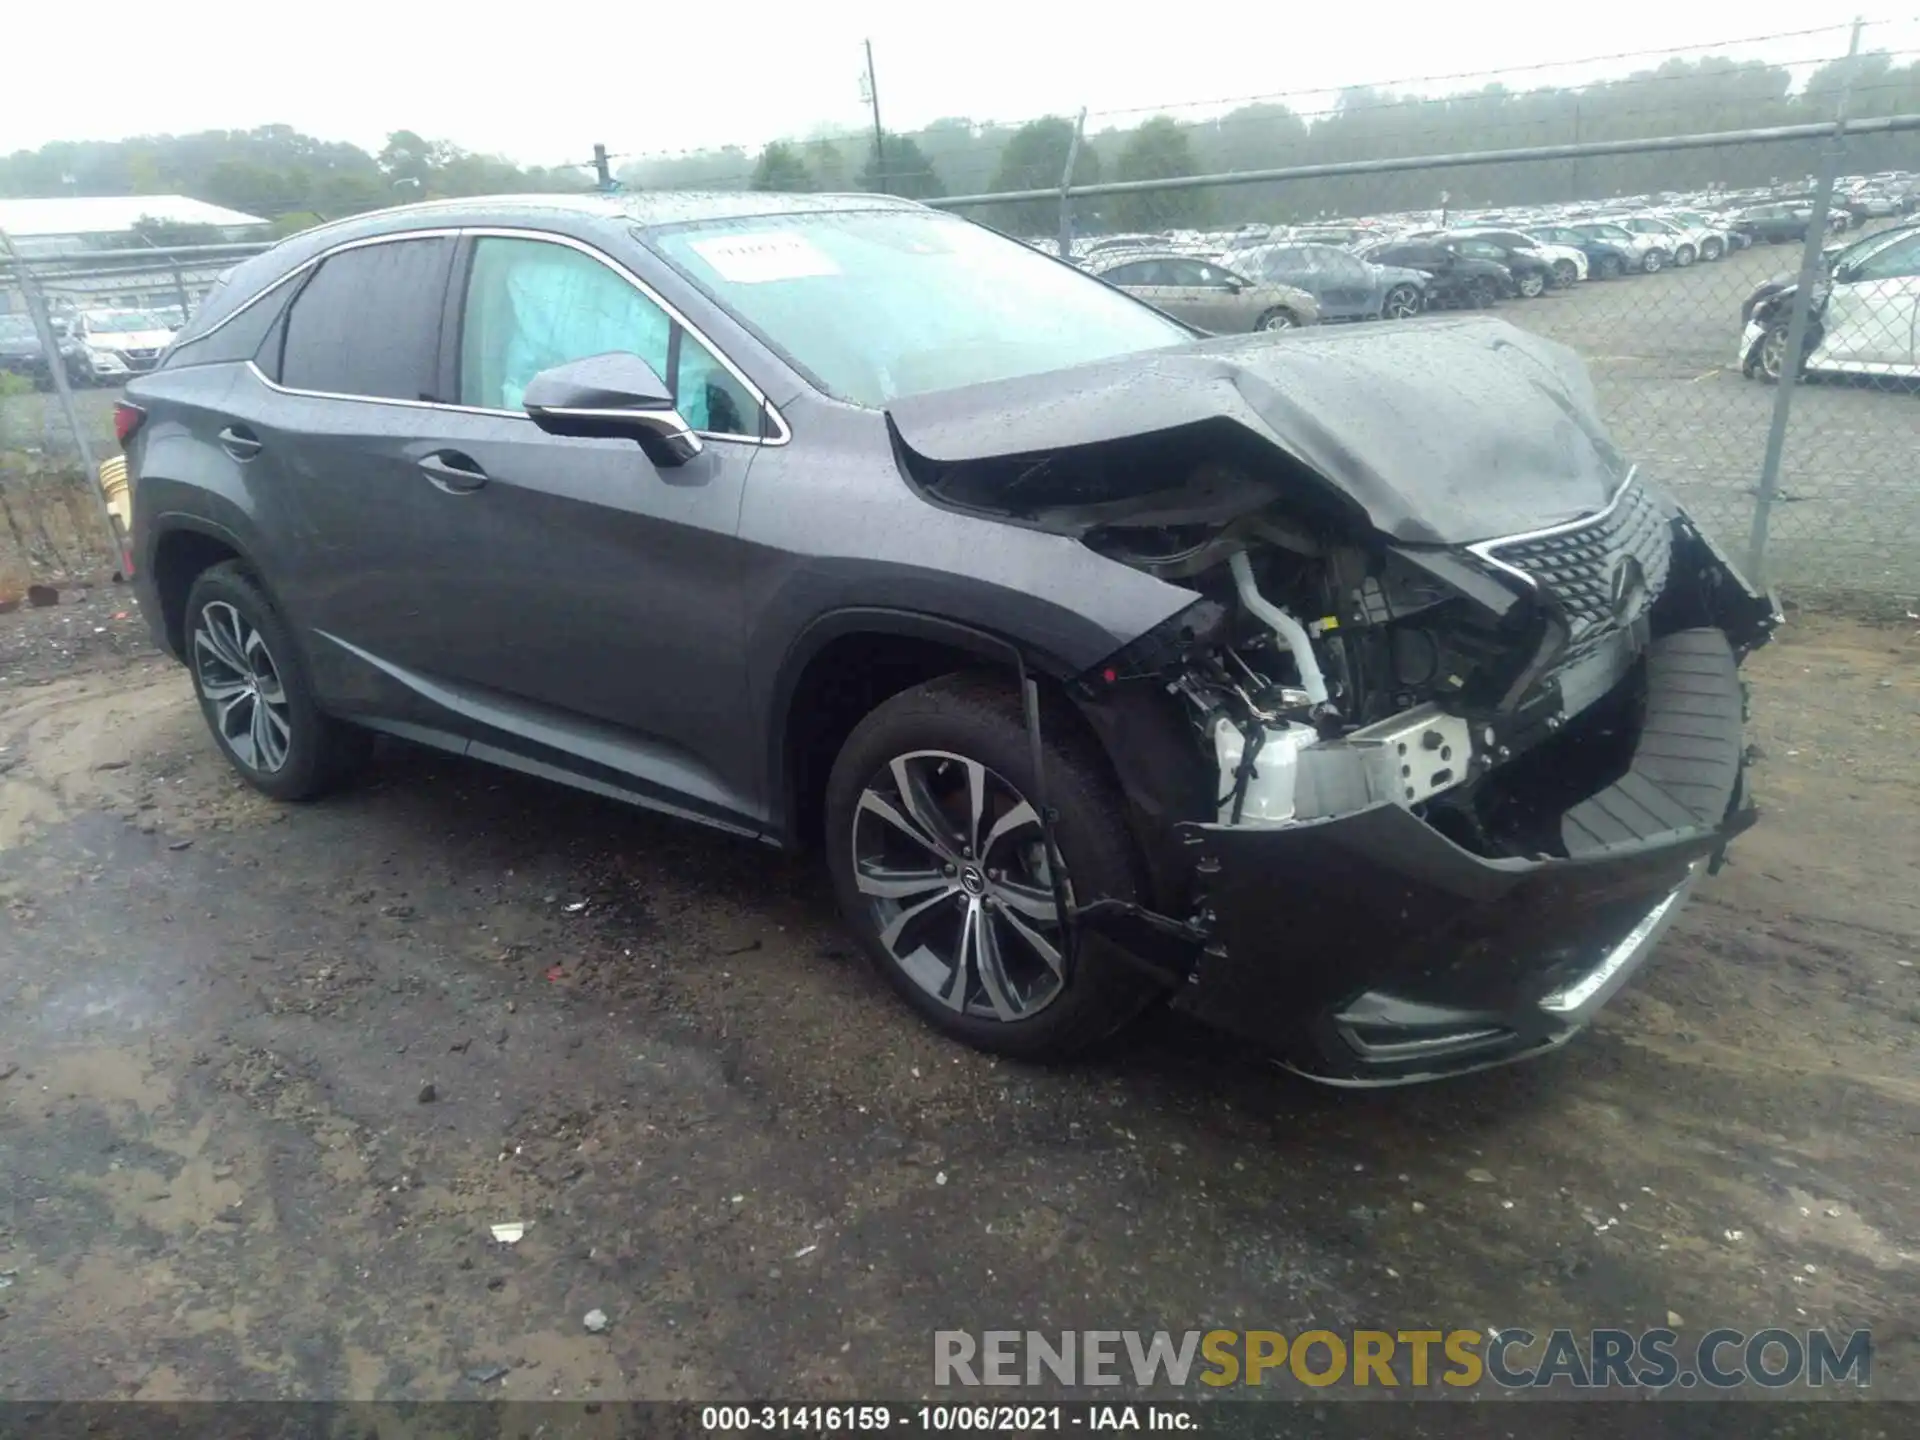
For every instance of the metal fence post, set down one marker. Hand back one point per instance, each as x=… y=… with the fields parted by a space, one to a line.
x=1766 y=493
x=1066 y=187
x=57 y=372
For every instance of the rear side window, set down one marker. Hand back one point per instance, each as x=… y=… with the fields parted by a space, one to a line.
x=368 y=322
x=239 y=337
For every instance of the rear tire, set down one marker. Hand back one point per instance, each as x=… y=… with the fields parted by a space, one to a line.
x=1712 y=250
x=1683 y=257
x=957 y=914
x=254 y=692
x=1278 y=318
x=1483 y=294
x=1653 y=262
x=1532 y=284
x=1565 y=274
x=1608 y=267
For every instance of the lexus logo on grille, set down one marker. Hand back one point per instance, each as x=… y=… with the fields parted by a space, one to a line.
x=1629 y=585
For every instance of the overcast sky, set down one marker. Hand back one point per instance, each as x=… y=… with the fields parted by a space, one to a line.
x=541 y=83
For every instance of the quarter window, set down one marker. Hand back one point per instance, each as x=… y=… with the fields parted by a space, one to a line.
x=534 y=304
x=368 y=322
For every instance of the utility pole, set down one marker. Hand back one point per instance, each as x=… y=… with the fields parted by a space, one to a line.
x=872 y=86
x=1066 y=187
x=602 y=170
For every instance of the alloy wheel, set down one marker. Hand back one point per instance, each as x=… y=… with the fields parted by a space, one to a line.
x=1653 y=261
x=950 y=859
x=1773 y=353
x=1277 y=320
x=1402 y=302
x=1565 y=273
x=1532 y=283
x=236 y=675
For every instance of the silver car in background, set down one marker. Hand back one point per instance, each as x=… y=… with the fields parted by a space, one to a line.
x=1205 y=294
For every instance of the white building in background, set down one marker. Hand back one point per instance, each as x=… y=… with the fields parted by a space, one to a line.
x=58 y=231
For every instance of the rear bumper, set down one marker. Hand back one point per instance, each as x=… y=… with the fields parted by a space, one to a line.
x=1370 y=949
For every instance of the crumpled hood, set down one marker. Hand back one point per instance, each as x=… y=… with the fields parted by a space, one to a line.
x=1442 y=432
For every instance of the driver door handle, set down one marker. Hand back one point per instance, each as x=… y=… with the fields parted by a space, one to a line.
x=453 y=472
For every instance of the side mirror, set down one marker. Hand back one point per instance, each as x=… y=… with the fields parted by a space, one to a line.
x=617 y=396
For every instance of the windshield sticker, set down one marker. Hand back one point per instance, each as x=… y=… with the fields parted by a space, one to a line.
x=769 y=255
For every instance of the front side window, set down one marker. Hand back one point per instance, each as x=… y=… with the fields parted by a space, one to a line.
x=875 y=304
x=534 y=304
x=368 y=322
x=1897 y=261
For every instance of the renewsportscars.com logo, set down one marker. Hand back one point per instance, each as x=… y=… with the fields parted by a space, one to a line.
x=1512 y=1359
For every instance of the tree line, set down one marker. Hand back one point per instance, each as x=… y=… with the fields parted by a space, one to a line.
x=296 y=179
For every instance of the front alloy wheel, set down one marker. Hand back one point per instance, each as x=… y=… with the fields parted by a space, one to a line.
x=1532 y=284
x=953 y=865
x=1277 y=320
x=237 y=677
x=1402 y=303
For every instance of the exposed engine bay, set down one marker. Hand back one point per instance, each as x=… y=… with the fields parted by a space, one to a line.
x=1488 y=687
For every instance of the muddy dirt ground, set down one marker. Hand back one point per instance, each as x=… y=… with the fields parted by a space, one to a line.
x=221 y=1174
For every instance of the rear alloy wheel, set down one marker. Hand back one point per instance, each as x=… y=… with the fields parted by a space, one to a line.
x=1277 y=319
x=940 y=866
x=1483 y=294
x=1565 y=274
x=1608 y=267
x=1711 y=250
x=1683 y=257
x=1653 y=261
x=1402 y=303
x=1532 y=283
x=254 y=692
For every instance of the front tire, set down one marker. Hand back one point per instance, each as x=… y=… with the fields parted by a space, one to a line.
x=938 y=865
x=1402 y=302
x=254 y=692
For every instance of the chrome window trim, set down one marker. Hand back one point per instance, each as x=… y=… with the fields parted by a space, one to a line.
x=783 y=432
x=1485 y=548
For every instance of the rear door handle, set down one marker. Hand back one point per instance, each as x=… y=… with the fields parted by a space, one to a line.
x=240 y=442
x=453 y=472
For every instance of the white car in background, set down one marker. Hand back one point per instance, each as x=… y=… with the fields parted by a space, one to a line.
x=1651 y=251
x=120 y=343
x=1865 y=320
x=1713 y=238
x=1682 y=243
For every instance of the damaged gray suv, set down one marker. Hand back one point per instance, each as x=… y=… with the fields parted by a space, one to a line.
x=1345 y=688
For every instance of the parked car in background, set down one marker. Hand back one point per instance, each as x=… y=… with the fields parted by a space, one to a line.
x=1831 y=257
x=1870 y=204
x=1605 y=259
x=120 y=343
x=1650 y=251
x=1207 y=295
x=1774 y=224
x=1344 y=286
x=841 y=523
x=1865 y=318
x=1681 y=243
x=1533 y=269
x=21 y=353
x=1459 y=278
x=1712 y=237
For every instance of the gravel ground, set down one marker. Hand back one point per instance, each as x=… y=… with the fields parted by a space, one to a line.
x=225 y=1175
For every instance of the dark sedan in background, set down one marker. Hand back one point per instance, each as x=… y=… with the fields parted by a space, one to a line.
x=1461 y=273
x=21 y=353
x=1343 y=285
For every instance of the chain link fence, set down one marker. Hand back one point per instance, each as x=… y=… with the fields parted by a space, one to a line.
x=1683 y=302
x=1688 y=305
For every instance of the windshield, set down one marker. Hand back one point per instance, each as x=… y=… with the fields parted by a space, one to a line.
x=123 y=322
x=884 y=303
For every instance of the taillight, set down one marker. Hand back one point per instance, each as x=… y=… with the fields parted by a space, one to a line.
x=126 y=420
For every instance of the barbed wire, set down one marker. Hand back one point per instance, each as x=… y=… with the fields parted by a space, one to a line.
x=1308 y=118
